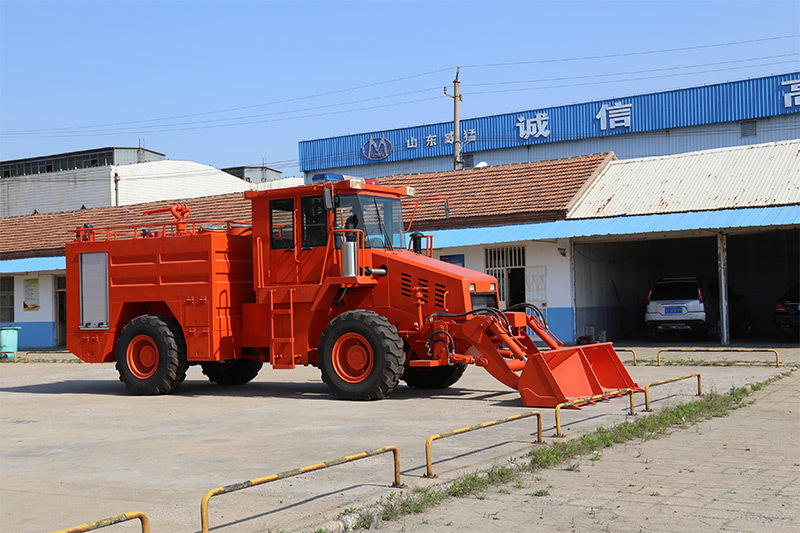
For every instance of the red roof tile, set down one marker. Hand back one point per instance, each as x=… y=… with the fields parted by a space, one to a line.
x=504 y=194
x=45 y=234
x=489 y=196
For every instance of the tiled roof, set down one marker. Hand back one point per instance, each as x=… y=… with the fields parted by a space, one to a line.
x=503 y=194
x=489 y=196
x=45 y=234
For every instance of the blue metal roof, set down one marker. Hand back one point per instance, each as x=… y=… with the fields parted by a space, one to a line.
x=777 y=216
x=724 y=102
x=33 y=264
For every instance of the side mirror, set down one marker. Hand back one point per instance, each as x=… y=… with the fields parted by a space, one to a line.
x=327 y=196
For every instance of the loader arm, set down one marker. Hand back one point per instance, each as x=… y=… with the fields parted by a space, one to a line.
x=543 y=378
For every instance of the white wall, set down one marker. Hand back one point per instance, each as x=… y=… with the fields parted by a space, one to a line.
x=173 y=180
x=46 y=312
x=558 y=302
x=52 y=192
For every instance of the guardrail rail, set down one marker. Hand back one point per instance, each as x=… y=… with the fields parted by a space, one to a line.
x=296 y=472
x=665 y=381
x=591 y=399
x=429 y=462
x=105 y=522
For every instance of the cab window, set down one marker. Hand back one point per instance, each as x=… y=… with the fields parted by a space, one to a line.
x=281 y=216
x=315 y=228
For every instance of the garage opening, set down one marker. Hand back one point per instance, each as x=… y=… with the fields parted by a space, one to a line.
x=612 y=279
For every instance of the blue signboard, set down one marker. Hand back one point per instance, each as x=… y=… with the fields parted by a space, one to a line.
x=696 y=106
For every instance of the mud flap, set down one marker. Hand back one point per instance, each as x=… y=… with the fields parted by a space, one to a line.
x=566 y=374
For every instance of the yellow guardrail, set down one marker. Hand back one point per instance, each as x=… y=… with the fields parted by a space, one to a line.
x=688 y=376
x=590 y=399
x=105 y=522
x=432 y=438
x=628 y=350
x=777 y=357
x=296 y=472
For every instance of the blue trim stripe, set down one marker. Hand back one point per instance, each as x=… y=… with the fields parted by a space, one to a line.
x=777 y=216
x=32 y=264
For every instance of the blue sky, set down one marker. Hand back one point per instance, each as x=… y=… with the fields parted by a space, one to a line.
x=238 y=83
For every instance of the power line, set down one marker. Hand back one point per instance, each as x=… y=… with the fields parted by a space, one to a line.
x=239 y=122
x=603 y=82
x=394 y=80
x=146 y=129
x=228 y=110
x=607 y=75
x=629 y=54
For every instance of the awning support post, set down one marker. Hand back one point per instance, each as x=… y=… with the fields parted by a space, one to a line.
x=722 y=266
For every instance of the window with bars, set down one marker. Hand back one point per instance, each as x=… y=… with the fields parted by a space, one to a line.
x=6 y=299
x=507 y=264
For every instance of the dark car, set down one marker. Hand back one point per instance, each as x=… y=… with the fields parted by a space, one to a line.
x=787 y=312
x=691 y=305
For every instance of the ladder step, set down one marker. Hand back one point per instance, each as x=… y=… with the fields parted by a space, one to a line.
x=282 y=339
x=281 y=311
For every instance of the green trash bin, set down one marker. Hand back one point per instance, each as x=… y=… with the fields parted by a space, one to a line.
x=8 y=341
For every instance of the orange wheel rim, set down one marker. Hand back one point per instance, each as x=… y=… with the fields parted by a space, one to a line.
x=352 y=357
x=142 y=357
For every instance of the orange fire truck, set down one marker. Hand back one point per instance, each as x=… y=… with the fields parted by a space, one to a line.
x=322 y=276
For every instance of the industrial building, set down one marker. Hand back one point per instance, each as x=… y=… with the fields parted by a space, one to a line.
x=750 y=111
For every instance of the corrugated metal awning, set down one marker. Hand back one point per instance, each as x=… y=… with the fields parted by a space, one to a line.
x=735 y=177
x=778 y=217
x=33 y=264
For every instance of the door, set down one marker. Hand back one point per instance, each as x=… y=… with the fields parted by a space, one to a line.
x=61 y=310
x=313 y=238
x=283 y=260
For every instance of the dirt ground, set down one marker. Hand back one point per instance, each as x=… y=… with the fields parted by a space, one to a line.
x=76 y=447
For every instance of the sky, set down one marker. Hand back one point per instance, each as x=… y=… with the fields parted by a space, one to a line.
x=241 y=83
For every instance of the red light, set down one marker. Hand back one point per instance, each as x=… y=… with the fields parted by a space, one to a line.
x=700 y=292
x=779 y=308
x=651 y=292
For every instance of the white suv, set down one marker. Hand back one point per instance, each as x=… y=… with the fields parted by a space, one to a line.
x=691 y=305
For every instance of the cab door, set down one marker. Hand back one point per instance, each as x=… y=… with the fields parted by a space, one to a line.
x=313 y=238
x=283 y=266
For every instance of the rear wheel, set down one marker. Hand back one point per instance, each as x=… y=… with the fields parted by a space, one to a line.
x=234 y=372
x=151 y=355
x=437 y=377
x=361 y=356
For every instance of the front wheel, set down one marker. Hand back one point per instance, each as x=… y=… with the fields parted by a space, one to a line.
x=234 y=372
x=361 y=356
x=151 y=355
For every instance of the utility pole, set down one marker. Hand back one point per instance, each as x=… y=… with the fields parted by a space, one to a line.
x=457 y=99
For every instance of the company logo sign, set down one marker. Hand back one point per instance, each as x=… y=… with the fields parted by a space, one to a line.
x=377 y=148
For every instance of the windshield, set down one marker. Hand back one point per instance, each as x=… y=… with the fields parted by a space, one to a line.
x=380 y=218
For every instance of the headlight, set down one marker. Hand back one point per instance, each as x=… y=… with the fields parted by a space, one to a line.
x=492 y=286
x=472 y=287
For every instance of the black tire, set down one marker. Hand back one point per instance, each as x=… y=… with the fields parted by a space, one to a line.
x=151 y=355
x=361 y=356
x=233 y=372
x=437 y=377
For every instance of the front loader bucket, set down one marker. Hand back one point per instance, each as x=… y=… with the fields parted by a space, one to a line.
x=565 y=374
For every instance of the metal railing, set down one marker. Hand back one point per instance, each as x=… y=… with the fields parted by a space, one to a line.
x=432 y=438
x=105 y=522
x=296 y=472
x=629 y=350
x=777 y=357
x=688 y=376
x=591 y=399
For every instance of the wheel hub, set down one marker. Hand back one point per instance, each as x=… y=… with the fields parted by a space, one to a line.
x=142 y=356
x=352 y=357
